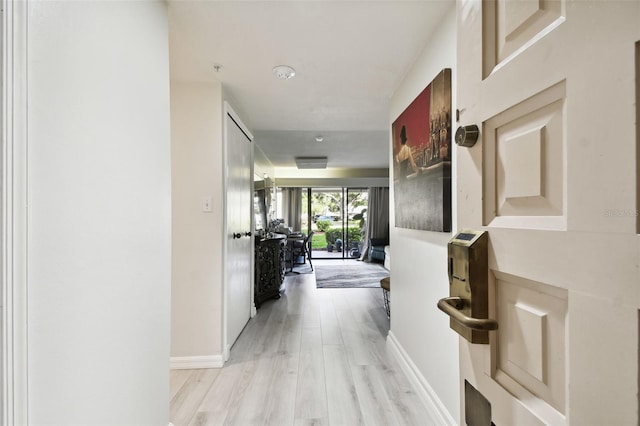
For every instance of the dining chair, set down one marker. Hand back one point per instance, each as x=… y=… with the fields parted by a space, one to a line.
x=302 y=248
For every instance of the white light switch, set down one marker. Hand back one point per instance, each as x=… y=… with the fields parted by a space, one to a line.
x=206 y=204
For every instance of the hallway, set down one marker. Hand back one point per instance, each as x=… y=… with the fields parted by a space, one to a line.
x=313 y=357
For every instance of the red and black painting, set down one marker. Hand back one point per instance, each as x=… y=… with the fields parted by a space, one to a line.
x=422 y=159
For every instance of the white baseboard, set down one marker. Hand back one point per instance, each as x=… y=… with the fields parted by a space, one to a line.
x=195 y=362
x=421 y=386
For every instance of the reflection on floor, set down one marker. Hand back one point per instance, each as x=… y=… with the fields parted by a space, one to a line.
x=315 y=356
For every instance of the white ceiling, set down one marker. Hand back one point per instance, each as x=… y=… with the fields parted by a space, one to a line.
x=349 y=57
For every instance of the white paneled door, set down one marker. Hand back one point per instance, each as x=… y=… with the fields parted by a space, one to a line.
x=238 y=239
x=553 y=181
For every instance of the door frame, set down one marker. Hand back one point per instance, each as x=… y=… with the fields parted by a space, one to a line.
x=230 y=112
x=13 y=205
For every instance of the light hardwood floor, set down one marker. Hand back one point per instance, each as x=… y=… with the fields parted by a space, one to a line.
x=313 y=357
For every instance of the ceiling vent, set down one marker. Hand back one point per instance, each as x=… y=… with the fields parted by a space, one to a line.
x=311 y=162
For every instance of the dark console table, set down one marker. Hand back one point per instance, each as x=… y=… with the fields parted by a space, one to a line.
x=269 y=268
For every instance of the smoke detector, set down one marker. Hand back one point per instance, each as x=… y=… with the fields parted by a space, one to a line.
x=284 y=72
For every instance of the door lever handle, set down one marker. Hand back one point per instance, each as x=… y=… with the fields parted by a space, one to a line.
x=236 y=235
x=452 y=305
x=247 y=234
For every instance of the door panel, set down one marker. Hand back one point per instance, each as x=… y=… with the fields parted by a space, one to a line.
x=238 y=256
x=530 y=353
x=524 y=175
x=511 y=26
x=552 y=181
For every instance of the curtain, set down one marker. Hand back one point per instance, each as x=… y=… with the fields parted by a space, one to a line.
x=292 y=207
x=377 y=225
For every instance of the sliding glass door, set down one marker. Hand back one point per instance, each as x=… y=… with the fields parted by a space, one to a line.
x=335 y=217
x=356 y=201
x=326 y=221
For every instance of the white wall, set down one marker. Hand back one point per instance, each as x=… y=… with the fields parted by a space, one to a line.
x=261 y=164
x=99 y=190
x=419 y=267
x=196 y=131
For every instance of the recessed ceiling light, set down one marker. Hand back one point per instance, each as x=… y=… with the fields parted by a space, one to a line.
x=319 y=138
x=284 y=72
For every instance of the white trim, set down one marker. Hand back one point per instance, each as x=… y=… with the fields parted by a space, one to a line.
x=229 y=110
x=14 y=213
x=424 y=391
x=252 y=259
x=195 y=362
x=226 y=353
x=223 y=233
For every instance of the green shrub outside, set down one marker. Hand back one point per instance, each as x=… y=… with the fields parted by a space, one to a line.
x=323 y=225
x=353 y=234
x=332 y=235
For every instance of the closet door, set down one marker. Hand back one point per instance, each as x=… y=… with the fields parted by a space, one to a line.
x=238 y=257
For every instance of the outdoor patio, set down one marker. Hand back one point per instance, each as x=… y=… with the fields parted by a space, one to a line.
x=324 y=254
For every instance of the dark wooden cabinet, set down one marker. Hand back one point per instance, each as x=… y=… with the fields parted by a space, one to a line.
x=269 y=268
